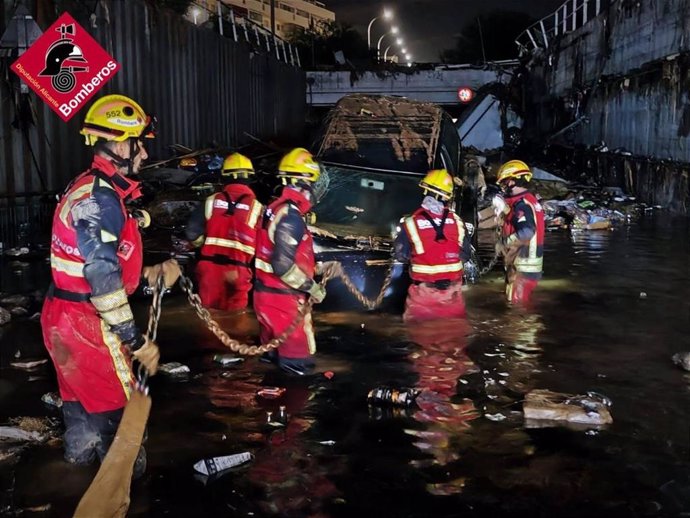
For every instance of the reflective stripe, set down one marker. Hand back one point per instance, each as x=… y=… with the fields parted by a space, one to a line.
x=294 y=277
x=124 y=373
x=461 y=228
x=117 y=316
x=71 y=268
x=229 y=243
x=529 y=264
x=208 y=207
x=411 y=227
x=254 y=214
x=110 y=300
x=309 y=333
x=441 y=268
x=263 y=266
x=276 y=219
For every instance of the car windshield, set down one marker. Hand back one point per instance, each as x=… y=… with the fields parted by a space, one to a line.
x=365 y=203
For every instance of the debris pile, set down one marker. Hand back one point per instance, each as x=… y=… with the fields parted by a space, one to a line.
x=545 y=406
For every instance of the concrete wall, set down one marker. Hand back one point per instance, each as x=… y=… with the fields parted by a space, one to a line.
x=626 y=71
x=436 y=86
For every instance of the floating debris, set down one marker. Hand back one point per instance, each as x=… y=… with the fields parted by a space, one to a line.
x=227 y=359
x=682 y=360
x=495 y=417
x=396 y=397
x=174 y=369
x=327 y=443
x=271 y=392
x=28 y=366
x=544 y=405
x=216 y=465
x=52 y=399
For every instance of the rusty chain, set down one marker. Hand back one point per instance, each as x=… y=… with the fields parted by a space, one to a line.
x=330 y=271
x=235 y=345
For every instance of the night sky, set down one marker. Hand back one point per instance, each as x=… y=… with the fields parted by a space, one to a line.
x=429 y=26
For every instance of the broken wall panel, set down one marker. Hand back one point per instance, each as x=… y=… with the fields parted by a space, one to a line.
x=620 y=82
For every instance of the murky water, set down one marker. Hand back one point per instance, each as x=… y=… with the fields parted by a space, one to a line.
x=464 y=450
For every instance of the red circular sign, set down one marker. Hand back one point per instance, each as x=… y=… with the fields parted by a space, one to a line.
x=465 y=94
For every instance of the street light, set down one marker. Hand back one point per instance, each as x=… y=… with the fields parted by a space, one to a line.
x=394 y=30
x=385 y=53
x=195 y=13
x=404 y=51
x=387 y=15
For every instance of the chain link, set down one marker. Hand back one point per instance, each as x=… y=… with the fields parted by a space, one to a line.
x=330 y=271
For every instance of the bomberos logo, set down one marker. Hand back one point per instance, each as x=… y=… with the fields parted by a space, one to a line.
x=66 y=67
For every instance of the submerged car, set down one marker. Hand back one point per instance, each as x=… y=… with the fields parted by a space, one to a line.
x=374 y=150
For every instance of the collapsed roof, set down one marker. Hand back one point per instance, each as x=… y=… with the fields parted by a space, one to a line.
x=380 y=132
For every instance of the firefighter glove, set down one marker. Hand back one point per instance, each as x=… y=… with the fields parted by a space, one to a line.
x=148 y=355
x=170 y=270
x=317 y=293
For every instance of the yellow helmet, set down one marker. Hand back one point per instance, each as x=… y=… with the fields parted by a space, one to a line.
x=237 y=165
x=514 y=169
x=299 y=164
x=116 y=118
x=439 y=182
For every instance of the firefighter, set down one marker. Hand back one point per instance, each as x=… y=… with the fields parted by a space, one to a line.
x=96 y=262
x=435 y=243
x=225 y=226
x=285 y=265
x=522 y=237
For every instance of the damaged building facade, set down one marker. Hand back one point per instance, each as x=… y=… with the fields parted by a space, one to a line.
x=607 y=82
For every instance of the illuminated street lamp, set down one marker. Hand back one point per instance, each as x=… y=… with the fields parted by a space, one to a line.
x=399 y=41
x=387 y=15
x=404 y=51
x=394 y=30
x=195 y=14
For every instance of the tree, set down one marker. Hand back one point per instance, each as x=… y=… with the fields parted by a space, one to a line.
x=497 y=30
x=318 y=44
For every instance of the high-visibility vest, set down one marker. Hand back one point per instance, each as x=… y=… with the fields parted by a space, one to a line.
x=232 y=221
x=289 y=200
x=530 y=258
x=66 y=261
x=436 y=245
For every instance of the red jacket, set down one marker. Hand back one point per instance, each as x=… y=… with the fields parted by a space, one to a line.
x=232 y=218
x=290 y=201
x=66 y=260
x=526 y=218
x=436 y=252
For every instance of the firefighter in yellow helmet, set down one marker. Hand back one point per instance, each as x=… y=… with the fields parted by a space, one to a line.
x=225 y=228
x=96 y=263
x=435 y=242
x=522 y=237
x=285 y=265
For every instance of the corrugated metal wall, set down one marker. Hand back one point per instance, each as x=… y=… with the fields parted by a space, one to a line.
x=204 y=88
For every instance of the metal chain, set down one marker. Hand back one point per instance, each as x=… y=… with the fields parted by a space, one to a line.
x=329 y=273
x=156 y=307
x=363 y=299
x=497 y=255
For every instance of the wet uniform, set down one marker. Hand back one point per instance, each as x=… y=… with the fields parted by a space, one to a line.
x=96 y=261
x=229 y=220
x=434 y=241
x=284 y=245
x=523 y=223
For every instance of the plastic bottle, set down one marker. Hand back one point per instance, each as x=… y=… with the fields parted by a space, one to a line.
x=396 y=397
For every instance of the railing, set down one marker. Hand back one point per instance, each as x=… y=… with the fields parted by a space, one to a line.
x=241 y=28
x=569 y=17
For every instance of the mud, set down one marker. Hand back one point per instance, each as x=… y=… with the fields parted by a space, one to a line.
x=463 y=450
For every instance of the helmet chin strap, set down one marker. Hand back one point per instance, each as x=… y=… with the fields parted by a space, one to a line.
x=124 y=162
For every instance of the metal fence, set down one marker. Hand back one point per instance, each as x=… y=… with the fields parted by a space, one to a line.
x=569 y=17
x=204 y=88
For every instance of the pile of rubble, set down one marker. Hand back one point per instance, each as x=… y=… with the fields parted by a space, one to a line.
x=578 y=208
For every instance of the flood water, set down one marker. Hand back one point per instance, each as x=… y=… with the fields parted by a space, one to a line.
x=464 y=449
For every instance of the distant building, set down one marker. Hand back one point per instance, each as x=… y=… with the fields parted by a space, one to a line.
x=289 y=14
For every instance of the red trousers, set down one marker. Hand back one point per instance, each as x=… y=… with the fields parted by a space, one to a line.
x=520 y=289
x=223 y=286
x=93 y=367
x=276 y=312
x=425 y=302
